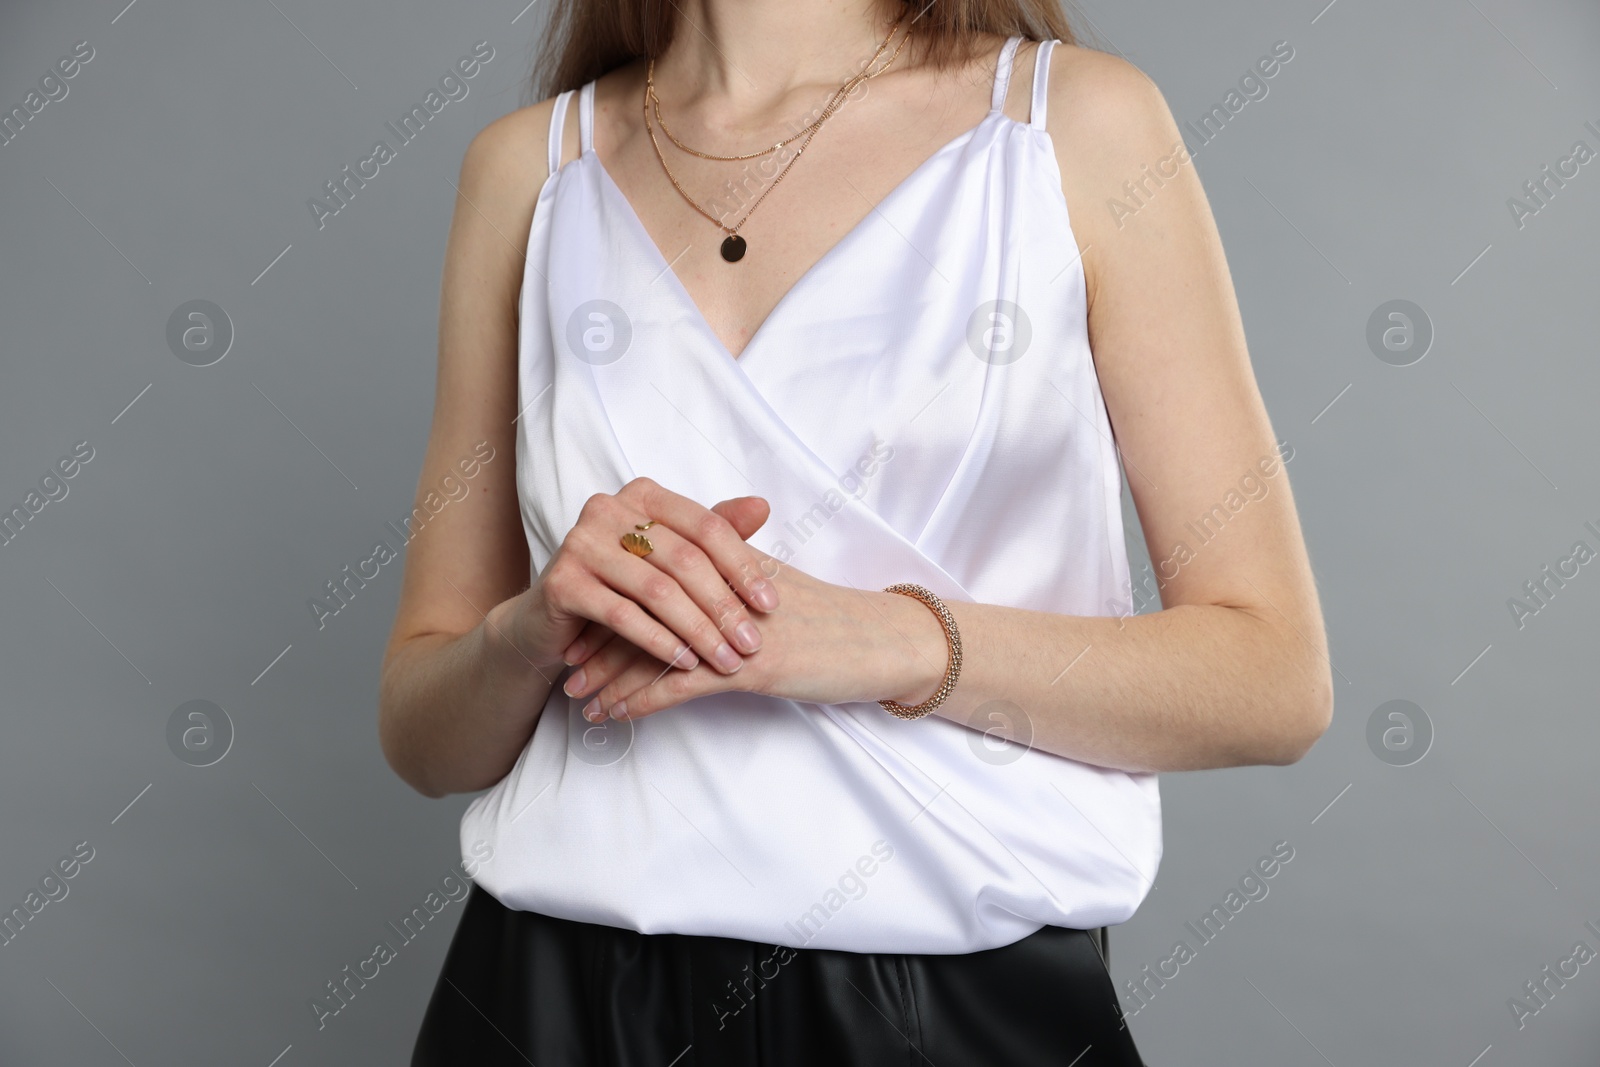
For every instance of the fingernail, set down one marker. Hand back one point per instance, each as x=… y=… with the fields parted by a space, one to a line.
x=574 y=685
x=766 y=597
x=592 y=712
x=619 y=710
x=748 y=636
x=686 y=659
x=573 y=653
x=727 y=658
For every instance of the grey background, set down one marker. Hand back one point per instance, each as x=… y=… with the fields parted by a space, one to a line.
x=220 y=899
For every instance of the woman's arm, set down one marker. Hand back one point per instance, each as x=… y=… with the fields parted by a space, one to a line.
x=456 y=699
x=476 y=645
x=1234 y=669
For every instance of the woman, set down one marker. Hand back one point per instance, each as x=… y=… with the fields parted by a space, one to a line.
x=789 y=627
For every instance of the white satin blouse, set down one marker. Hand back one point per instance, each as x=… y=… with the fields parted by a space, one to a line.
x=921 y=406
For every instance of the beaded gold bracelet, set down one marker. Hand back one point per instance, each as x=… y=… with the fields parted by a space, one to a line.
x=952 y=638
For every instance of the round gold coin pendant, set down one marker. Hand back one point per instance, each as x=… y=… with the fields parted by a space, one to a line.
x=733 y=247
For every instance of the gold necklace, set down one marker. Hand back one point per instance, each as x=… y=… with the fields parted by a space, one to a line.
x=848 y=87
x=734 y=245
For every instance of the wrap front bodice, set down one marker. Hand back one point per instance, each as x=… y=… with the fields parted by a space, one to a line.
x=921 y=406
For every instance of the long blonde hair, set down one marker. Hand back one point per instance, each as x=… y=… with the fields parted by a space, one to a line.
x=584 y=39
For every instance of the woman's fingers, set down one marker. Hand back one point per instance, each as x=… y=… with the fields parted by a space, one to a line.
x=694 y=573
x=718 y=532
x=602 y=563
x=608 y=662
x=601 y=666
x=584 y=597
x=659 y=595
x=611 y=672
x=645 y=687
x=693 y=583
x=590 y=638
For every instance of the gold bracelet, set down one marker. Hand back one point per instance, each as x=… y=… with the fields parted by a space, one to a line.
x=952 y=637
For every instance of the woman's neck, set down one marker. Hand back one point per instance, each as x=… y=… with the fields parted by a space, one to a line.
x=744 y=57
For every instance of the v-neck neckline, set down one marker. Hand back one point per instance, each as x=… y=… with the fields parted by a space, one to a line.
x=790 y=295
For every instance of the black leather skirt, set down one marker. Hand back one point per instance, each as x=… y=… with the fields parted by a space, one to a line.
x=523 y=988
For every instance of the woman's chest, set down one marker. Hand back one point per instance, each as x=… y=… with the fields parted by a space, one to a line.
x=789 y=208
x=940 y=343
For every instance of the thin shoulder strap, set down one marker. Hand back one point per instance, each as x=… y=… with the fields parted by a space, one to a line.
x=1002 y=72
x=558 y=122
x=586 y=117
x=1041 y=79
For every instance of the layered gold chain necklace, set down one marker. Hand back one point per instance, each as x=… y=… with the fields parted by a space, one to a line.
x=734 y=245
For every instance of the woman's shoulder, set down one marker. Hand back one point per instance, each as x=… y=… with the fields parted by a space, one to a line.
x=513 y=148
x=504 y=168
x=1110 y=125
x=516 y=145
x=1091 y=92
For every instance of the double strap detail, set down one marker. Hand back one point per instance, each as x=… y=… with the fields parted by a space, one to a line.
x=558 y=122
x=1041 y=79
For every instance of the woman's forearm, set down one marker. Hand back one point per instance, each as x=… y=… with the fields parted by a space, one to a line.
x=1186 y=688
x=457 y=709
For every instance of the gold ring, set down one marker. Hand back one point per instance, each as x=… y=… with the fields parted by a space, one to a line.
x=638 y=544
x=645 y=526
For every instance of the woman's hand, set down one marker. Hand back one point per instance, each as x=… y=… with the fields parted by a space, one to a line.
x=830 y=644
x=682 y=602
